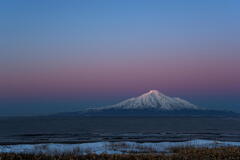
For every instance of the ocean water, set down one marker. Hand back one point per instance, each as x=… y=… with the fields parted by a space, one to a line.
x=73 y=130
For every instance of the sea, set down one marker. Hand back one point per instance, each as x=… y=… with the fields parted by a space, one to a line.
x=77 y=130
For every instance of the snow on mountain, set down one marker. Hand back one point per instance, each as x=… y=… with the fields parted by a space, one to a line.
x=152 y=100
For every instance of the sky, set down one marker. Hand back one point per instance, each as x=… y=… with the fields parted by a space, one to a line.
x=58 y=55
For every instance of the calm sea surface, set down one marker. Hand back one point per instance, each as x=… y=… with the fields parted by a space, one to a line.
x=16 y=130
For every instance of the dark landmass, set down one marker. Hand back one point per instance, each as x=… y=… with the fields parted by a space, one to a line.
x=152 y=112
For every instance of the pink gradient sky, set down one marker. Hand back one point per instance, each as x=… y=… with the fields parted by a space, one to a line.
x=134 y=75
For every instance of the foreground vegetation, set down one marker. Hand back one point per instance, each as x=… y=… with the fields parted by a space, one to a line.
x=183 y=153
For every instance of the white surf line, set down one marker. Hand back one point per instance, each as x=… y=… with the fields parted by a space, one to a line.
x=109 y=147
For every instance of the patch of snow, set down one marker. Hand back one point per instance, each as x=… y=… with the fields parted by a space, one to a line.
x=108 y=147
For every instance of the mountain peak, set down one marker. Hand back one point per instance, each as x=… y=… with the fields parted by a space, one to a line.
x=153 y=99
x=153 y=92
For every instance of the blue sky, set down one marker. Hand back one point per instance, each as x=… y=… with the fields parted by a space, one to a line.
x=99 y=52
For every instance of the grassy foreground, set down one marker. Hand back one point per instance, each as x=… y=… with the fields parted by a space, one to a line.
x=186 y=153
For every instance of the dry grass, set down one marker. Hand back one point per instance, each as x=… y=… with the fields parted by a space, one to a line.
x=219 y=153
x=183 y=153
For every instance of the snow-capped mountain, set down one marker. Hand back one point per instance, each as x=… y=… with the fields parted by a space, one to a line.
x=152 y=100
x=152 y=103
